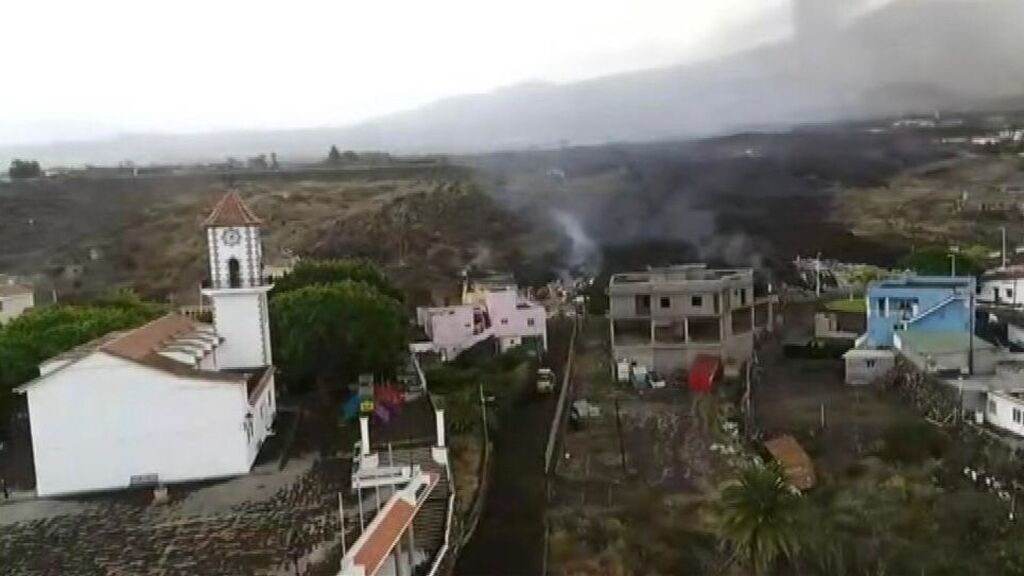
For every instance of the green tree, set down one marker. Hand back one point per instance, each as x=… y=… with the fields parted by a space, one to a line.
x=42 y=333
x=24 y=169
x=462 y=410
x=349 y=156
x=314 y=272
x=327 y=333
x=334 y=157
x=759 y=518
x=864 y=275
x=936 y=261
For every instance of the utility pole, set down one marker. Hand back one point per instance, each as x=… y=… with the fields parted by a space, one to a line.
x=952 y=264
x=970 y=336
x=817 y=275
x=618 y=427
x=341 y=515
x=483 y=413
x=1003 y=229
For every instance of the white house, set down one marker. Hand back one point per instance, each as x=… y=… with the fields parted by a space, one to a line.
x=14 y=301
x=171 y=401
x=489 y=309
x=865 y=365
x=1002 y=287
x=1005 y=410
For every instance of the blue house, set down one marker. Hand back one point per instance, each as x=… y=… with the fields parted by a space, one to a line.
x=918 y=303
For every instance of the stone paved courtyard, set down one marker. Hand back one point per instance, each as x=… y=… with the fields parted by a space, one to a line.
x=250 y=525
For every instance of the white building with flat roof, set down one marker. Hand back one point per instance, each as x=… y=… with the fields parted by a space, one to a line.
x=664 y=318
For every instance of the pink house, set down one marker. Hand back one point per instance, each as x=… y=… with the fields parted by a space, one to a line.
x=489 y=309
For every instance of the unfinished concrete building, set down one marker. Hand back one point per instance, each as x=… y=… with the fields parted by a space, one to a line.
x=663 y=318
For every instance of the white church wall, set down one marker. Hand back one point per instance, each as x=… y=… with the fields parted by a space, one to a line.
x=240 y=317
x=264 y=410
x=103 y=420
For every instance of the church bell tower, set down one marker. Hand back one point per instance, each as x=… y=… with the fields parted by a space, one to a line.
x=237 y=286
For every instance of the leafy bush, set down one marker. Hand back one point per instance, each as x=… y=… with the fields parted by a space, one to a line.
x=913 y=442
x=936 y=261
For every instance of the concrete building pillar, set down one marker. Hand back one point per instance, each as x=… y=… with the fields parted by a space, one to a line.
x=364 y=435
x=686 y=329
x=396 y=553
x=410 y=544
x=439 y=424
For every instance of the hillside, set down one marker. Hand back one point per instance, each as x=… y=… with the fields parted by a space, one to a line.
x=83 y=236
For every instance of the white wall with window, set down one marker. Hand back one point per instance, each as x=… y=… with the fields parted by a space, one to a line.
x=864 y=366
x=1002 y=291
x=1005 y=410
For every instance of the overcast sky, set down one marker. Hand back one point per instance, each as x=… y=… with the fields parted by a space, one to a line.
x=83 y=69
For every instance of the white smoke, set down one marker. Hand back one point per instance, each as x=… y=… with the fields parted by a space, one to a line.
x=584 y=254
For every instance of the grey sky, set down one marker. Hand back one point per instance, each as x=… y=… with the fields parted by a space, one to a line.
x=92 y=69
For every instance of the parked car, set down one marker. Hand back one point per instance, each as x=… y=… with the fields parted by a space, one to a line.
x=545 y=380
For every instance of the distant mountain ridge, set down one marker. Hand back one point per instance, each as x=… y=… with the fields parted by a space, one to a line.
x=910 y=56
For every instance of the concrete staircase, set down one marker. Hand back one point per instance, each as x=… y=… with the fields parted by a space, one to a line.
x=429 y=524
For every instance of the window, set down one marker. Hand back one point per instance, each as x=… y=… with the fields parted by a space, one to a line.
x=743 y=296
x=1009 y=292
x=665 y=302
x=870 y=363
x=1016 y=415
x=643 y=304
x=504 y=321
x=529 y=322
x=234 y=273
x=697 y=301
x=991 y=406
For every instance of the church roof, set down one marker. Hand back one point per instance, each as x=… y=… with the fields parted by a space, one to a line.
x=143 y=341
x=231 y=211
x=171 y=343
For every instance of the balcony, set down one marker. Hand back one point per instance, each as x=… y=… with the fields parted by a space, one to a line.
x=262 y=281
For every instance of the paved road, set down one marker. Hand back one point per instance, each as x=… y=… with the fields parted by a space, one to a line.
x=509 y=539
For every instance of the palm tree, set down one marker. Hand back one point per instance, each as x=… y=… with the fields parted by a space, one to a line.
x=759 y=518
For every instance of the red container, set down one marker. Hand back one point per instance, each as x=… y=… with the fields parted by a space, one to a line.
x=703 y=373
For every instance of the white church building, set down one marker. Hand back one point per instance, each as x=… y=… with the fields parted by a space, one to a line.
x=171 y=401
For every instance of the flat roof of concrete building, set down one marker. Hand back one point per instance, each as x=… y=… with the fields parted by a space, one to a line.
x=924 y=282
x=681 y=274
x=941 y=341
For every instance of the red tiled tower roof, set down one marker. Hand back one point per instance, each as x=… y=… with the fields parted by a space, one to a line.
x=231 y=211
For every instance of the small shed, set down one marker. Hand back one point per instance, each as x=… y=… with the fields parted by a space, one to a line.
x=797 y=466
x=703 y=373
x=865 y=365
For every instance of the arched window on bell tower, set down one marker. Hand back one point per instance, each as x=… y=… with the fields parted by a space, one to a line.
x=234 y=273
